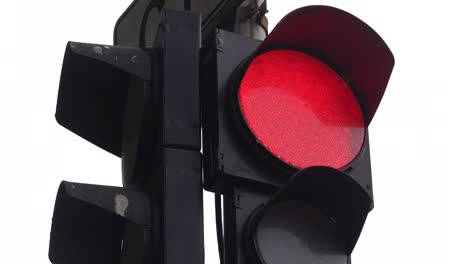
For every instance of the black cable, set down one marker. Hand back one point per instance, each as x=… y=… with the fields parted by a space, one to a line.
x=262 y=10
x=258 y=12
x=219 y=227
x=143 y=26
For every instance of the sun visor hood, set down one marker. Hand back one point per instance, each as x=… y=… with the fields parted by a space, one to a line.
x=332 y=192
x=343 y=41
x=93 y=89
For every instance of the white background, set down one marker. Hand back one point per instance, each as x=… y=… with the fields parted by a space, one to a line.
x=418 y=136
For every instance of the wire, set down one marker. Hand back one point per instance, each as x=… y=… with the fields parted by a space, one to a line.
x=144 y=22
x=219 y=227
x=262 y=10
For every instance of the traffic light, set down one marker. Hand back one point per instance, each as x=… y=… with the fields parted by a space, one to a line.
x=126 y=100
x=285 y=137
x=283 y=121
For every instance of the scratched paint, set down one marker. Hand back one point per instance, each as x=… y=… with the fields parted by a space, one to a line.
x=121 y=204
x=98 y=50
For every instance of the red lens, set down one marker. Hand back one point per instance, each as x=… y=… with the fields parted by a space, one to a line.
x=301 y=110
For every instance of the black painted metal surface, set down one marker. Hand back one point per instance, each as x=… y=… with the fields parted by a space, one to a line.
x=142 y=105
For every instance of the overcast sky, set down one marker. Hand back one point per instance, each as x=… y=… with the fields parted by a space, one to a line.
x=418 y=137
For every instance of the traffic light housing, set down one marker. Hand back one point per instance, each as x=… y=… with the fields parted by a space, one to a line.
x=126 y=101
x=285 y=137
x=286 y=119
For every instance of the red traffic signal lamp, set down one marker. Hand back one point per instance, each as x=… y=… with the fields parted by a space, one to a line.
x=317 y=110
x=285 y=135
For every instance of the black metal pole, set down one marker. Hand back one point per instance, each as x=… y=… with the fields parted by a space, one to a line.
x=182 y=200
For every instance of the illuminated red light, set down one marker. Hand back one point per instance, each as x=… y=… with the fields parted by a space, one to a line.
x=301 y=110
